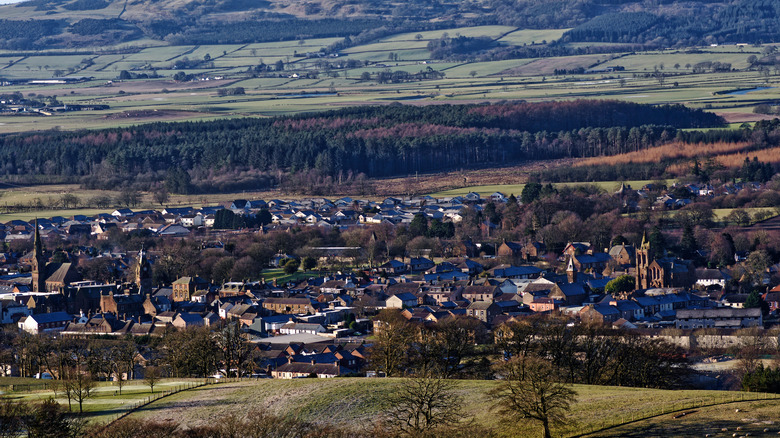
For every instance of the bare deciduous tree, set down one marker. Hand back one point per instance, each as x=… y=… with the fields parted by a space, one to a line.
x=151 y=376
x=425 y=404
x=79 y=387
x=538 y=396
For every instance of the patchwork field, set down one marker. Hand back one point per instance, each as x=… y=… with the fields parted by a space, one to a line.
x=338 y=78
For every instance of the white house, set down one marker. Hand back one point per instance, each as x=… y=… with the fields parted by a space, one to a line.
x=192 y=220
x=294 y=328
x=45 y=322
x=398 y=301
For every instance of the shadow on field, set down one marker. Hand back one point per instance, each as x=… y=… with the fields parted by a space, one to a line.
x=670 y=427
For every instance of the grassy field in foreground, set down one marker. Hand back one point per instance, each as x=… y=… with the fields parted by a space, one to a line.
x=362 y=402
x=738 y=419
x=106 y=401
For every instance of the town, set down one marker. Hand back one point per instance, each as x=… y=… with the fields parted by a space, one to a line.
x=342 y=262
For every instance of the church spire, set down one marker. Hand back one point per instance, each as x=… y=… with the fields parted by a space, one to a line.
x=37 y=245
x=38 y=262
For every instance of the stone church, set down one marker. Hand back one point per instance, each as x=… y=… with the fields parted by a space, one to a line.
x=666 y=272
x=49 y=276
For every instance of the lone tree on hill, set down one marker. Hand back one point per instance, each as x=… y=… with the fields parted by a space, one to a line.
x=538 y=395
x=425 y=404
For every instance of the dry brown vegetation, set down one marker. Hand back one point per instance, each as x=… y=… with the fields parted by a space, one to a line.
x=771 y=155
x=678 y=150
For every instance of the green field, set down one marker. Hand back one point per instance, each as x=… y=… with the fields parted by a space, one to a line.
x=516 y=189
x=106 y=403
x=281 y=277
x=361 y=402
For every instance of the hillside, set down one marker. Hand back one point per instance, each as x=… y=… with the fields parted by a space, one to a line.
x=81 y=23
x=361 y=402
x=378 y=141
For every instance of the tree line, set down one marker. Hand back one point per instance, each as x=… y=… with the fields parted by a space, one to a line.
x=376 y=141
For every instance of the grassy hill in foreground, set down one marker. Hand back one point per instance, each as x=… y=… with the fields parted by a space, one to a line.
x=361 y=402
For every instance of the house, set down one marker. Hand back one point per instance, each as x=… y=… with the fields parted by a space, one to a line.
x=480 y=293
x=629 y=310
x=121 y=304
x=533 y=251
x=184 y=288
x=711 y=277
x=600 y=313
x=498 y=197
x=595 y=261
x=173 y=230
x=393 y=267
x=294 y=328
x=572 y=294
x=290 y=305
x=772 y=299
x=420 y=264
x=122 y=212
x=510 y=250
x=401 y=300
x=472 y=197
x=574 y=248
x=192 y=220
x=468 y=266
x=623 y=254
x=186 y=320
x=736 y=301
x=484 y=311
x=722 y=317
x=45 y=322
x=650 y=305
x=544 y=304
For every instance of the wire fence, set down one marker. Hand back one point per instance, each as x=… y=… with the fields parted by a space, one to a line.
x=162 y=394
x=669 y=408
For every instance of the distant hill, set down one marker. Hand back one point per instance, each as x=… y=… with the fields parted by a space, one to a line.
x=46 y=24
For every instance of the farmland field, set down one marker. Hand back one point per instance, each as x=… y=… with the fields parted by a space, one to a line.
x=475 y=81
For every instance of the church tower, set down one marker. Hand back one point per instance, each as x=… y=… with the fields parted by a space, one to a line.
x=143 y=273
x=644 y=256
x=571 y=271
x=38 y=263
